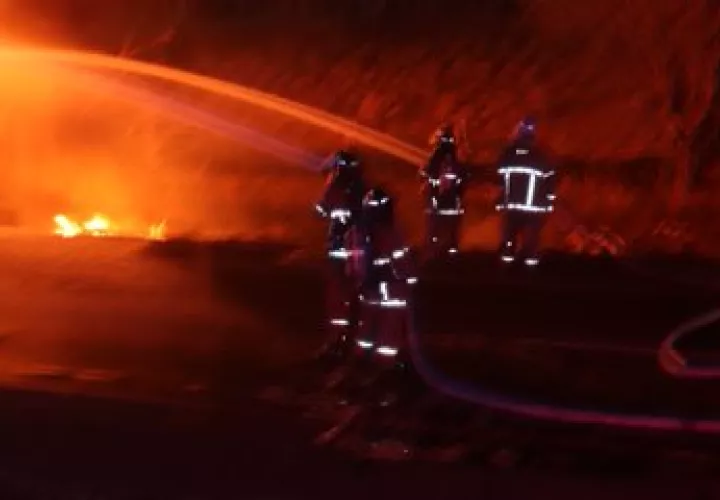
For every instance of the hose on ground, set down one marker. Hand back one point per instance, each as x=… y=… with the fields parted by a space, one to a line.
x=672 y=361
x=545 y=411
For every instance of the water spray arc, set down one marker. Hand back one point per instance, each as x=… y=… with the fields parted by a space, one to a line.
x=192 y=115
x=353 y=131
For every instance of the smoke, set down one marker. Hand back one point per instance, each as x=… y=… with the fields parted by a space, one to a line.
x=111 y=25
x=71 y=150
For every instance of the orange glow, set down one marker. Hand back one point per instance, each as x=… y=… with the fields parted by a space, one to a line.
x=76 y=148
x=157 y=231
x=99 y=225
x=76 y=153
x=307 y=114
x=66 y=228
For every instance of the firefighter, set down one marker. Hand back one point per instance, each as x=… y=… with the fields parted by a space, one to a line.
x=445 y=180
x=341 y=203
x=385 y=274
x=527 y=185
x=444 y=145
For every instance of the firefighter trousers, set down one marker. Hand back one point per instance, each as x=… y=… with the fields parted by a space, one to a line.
x=335 y=238
x=341 y=302
x=383 y=327
x=521 y=236
x=443 y=231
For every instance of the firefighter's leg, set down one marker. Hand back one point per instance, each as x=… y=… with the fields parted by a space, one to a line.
x=431 y=218
x=332 y=239
x=510 y=231
x=350 y=377
x=453 y=224
x=391 y=327
x=434 y=228
x=531 y=243
x=366 y=338
x=336 y=238
x=434 y=234
x=441 y=233
x=430 y=229
x=339 y=297
x=392 y=355
x=392 y=341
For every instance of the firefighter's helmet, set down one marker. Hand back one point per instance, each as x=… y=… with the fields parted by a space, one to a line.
x=345 y=160
x=525 y=129
x=444 y=137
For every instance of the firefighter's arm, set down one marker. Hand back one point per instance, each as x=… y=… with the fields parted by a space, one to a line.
x=549 y=159
x=463 y=179
x=500 y=183
x=321 y=209
x=423 y=171
x=321 y=206
x=550 y=184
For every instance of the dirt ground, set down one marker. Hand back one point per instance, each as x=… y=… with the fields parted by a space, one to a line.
x=132 y=371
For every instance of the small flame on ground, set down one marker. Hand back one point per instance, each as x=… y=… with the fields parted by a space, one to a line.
x=99 y=225
x=65 y=227
x=157 y=231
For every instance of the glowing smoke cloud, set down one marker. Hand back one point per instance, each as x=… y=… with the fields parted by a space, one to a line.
x=192 y=115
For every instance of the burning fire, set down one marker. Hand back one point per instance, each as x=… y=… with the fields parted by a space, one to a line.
x=99 y=226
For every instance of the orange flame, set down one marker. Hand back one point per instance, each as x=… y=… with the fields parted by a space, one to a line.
x=157 y=231
x=99 y=225
x=65 y=227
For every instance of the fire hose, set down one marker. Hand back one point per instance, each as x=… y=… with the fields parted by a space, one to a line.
x=670 y=360
x=674 y=363
x=538 y=410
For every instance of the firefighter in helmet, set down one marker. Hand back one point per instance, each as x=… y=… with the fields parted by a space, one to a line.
x=527 y=186
x=385 y=273
x=445 y=180
x=341 y=204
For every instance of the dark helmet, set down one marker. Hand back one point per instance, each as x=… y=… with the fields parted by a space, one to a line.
x=345 y=168
x=377 y=206
x=525 y=129
x=345 y=160
x=444 y=137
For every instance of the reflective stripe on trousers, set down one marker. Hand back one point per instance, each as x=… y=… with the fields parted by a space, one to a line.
x=382 y=350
